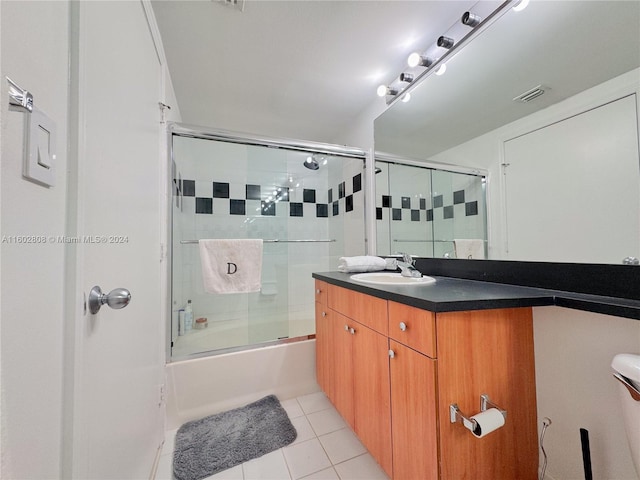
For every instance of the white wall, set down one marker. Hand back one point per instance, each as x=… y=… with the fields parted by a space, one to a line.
x=35 y=55
x=361 y=132
x=576 y=390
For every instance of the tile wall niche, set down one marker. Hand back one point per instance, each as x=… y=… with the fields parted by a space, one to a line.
x=226 y=190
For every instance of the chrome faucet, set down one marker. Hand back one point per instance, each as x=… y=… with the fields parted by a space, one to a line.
x=406 y=267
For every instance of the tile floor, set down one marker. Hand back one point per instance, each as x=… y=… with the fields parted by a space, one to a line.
x=326 y=449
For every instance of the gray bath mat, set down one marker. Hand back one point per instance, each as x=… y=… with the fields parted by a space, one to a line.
x=212 y=444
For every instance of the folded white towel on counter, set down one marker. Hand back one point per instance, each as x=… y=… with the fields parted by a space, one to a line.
x=231 y=265
x=392 y=263
x=363 y=263
x=471 y=248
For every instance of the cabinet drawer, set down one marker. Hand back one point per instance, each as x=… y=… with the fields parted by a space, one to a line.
x=321 y=292
x=365 y=309
x=413 y=327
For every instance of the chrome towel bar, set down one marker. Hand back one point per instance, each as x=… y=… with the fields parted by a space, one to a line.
x=275 y=240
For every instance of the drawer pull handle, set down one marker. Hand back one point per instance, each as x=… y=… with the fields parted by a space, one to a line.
x=392 y=354
x=324 y=314
x=346 y=328
x=403 y=326
x=318 y=291
x=352 y=331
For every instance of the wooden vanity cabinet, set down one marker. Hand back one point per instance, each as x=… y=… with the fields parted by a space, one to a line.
x=491 y=352
x=359 y=361
x=396 y=377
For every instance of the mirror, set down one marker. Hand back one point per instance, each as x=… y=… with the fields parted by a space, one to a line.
x=429 y=212
x=563 y=168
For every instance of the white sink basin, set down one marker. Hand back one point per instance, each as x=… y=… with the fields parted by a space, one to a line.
x=388 y=278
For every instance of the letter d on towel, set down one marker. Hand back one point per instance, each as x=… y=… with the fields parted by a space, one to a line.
x=231 y=265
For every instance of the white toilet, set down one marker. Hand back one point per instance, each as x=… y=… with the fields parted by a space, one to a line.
x=627 y=371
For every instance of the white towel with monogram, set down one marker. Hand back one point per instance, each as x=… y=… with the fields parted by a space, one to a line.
x=231 y=265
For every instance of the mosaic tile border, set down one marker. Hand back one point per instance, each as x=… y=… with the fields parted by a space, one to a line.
x=408 y=204
x=268 y=204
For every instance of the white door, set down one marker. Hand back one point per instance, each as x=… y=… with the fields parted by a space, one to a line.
x=573 y=189
x=117 y=418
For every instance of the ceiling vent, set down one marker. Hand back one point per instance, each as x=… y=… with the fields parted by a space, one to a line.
x=235 y=4
x=529 y=95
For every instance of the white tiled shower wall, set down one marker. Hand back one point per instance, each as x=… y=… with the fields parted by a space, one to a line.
x=423 y=184
x=462 y=225
x=285 y=306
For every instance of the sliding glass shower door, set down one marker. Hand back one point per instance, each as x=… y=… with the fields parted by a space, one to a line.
x=423 y=211
x=308 y=207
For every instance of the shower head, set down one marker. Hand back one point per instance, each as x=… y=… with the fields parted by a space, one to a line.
x=312 y=163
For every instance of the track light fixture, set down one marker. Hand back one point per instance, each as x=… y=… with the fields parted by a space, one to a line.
x=433 y=59
x=417 y=60
x=386 y=90
x=445 y=42
x=470 y=19
x=406 y=77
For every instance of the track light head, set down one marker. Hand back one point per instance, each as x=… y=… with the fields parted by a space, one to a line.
x=406 y=77
x=415 y=59
x=385 y=90
x=445 y=42
x=470 y=19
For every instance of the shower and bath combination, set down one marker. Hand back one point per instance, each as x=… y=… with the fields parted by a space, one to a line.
x=253 y=188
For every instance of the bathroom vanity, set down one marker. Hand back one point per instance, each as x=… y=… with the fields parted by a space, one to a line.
x=394 y=359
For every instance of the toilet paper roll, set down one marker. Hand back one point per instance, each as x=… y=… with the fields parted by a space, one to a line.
x=487 y=422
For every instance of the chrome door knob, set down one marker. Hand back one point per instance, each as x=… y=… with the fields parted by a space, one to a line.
x=117 y=298
x=403 y=326
x=392 y=354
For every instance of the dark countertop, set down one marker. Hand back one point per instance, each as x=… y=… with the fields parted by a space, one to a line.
x=454 y=294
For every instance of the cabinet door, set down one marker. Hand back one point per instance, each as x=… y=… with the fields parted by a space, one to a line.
x=372 y=396
x=487 y=352
x=413 y=414
x=341 y=353
x=324 y=361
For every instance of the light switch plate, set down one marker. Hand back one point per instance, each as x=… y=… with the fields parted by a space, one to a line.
x=40 y=148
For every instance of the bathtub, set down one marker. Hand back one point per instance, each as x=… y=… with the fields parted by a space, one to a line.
x=204 y=386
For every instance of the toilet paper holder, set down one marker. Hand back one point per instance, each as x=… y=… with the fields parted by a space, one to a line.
x=470 y=423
